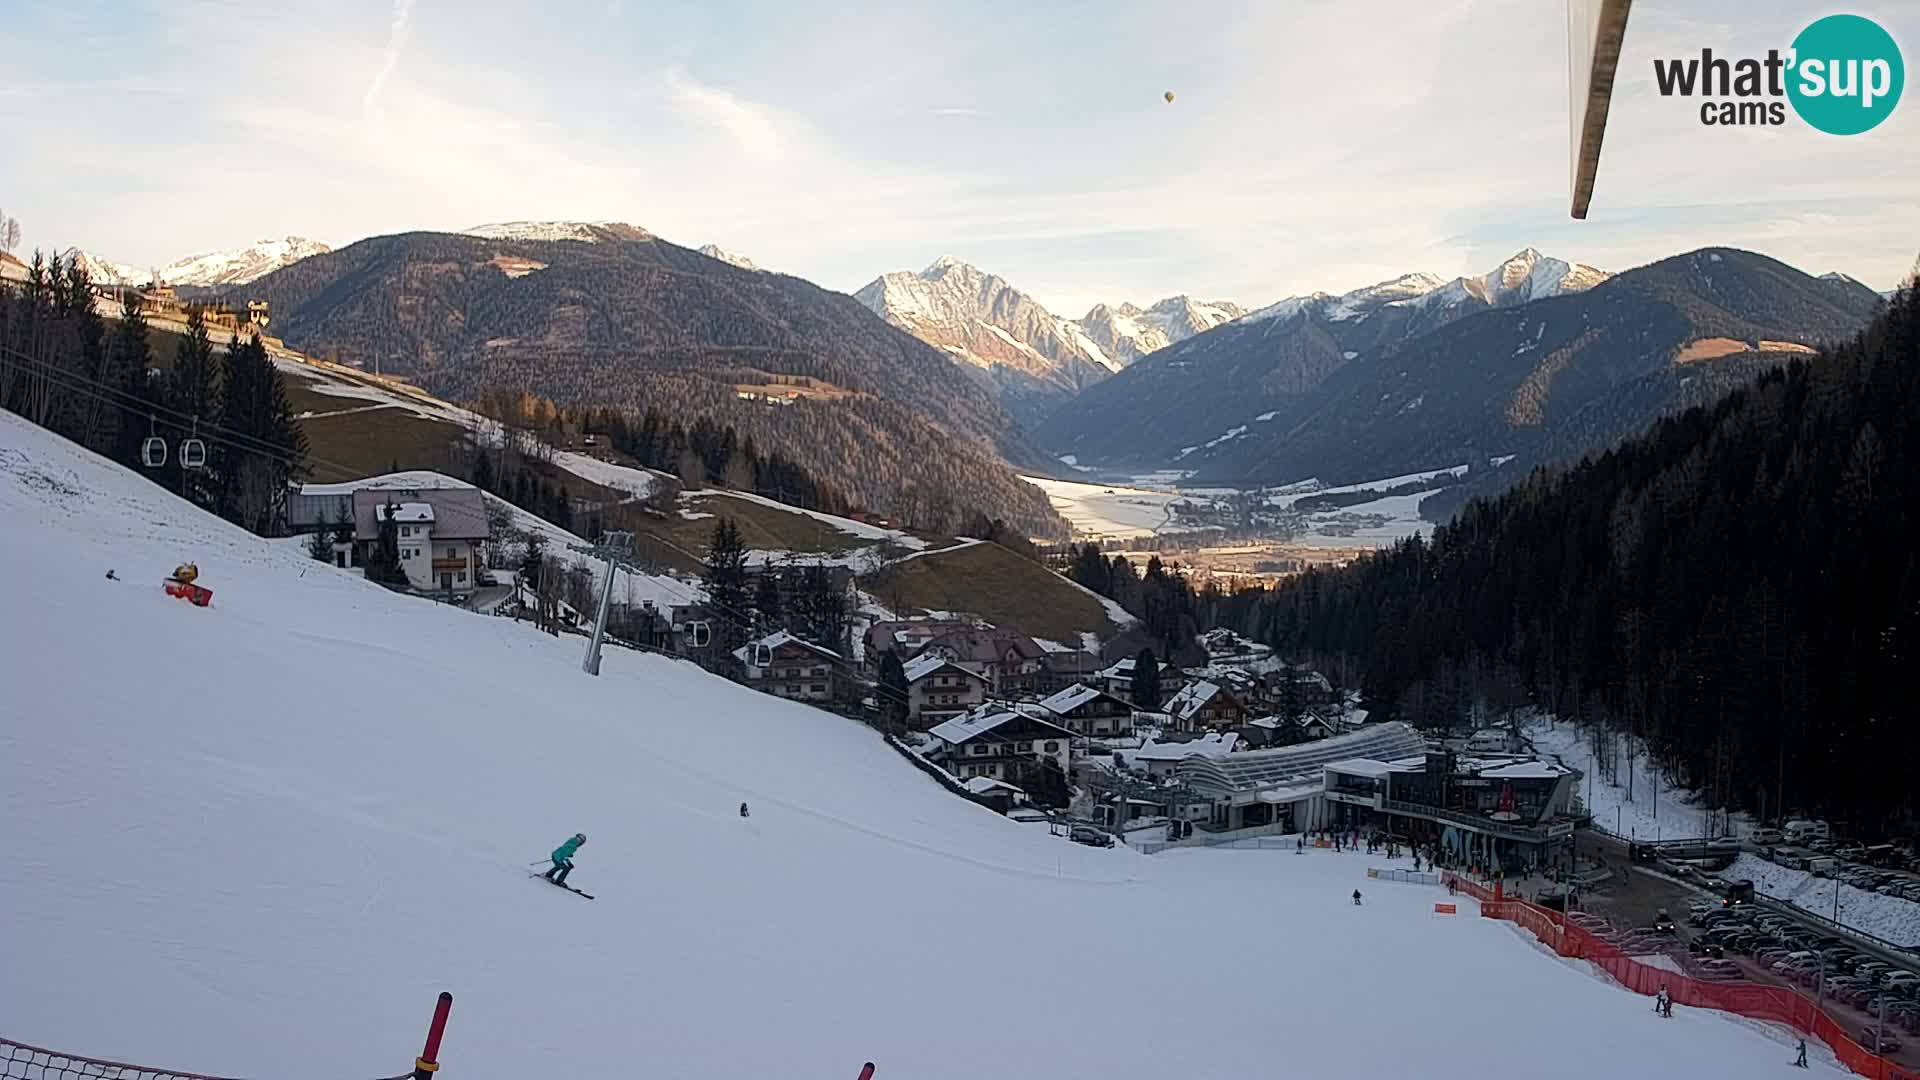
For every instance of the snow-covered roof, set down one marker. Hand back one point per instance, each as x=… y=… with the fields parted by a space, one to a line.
x=1295 y=765
x=1119 y=669
x=981 y=722
x=1360 y=767
x=1192 y=698
x=1526 y=770
x=406 y=513
x=1217 y=744
x=927 y=663
x=1293 y=793
x=774 y=641
x=1071 y=698
x=981 y=785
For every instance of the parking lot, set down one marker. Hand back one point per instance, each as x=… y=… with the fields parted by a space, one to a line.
x=1891 y=875
x=1765 y=944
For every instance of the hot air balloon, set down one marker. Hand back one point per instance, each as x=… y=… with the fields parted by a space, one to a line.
x=1169 y=96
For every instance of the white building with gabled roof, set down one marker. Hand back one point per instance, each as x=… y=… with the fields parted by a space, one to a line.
x=1089 y=710
x=1000 y=744
x=939 y=690
x=791 y=667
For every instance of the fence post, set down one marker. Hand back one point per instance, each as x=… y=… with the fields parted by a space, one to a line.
x=428 y=1062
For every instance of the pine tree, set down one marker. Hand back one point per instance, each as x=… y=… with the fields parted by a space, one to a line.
x=194 y=392
x=893 y=692
x=725 y=576
x=383 y=565
x=264 y=447
x=483 y=470
x=1146 y=680
x=133 y=359
x=826 y=608
x=767 y=610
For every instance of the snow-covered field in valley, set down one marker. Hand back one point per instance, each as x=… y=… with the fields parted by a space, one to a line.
x=258 y=838
x=1119 y=512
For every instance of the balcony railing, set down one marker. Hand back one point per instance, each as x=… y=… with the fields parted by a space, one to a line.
x=1508 y=829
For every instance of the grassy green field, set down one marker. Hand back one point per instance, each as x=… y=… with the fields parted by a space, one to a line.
x=997 y=585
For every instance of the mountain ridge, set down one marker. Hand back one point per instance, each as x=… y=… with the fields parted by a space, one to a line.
x=215 y=269
x=1187 y=394
x=626 y=319
x=1035 y=359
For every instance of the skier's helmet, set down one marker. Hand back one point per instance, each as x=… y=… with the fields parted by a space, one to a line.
x=580 y=836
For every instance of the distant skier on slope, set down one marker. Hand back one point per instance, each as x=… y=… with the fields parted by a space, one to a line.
x=1356 y=898
x=743 y=810
x=563 y=858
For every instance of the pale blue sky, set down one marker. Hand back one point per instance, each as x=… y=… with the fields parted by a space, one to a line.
x=1310 y=145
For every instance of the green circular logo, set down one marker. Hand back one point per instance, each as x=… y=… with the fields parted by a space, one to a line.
x=1846 y=75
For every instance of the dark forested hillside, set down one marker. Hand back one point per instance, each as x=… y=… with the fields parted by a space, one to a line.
x=1518 y=380
x=1740 y=585
x=635 y=322
x=1393 y=389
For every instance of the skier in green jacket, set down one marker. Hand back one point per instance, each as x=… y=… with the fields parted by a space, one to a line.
x=563 y=858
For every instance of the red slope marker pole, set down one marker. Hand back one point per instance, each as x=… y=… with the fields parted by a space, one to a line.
x=428 y=1062
x=866 y=1071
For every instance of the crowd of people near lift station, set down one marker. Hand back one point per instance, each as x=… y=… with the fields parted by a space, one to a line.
x=1430 y=857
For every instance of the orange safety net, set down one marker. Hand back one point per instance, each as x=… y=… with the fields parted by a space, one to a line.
x=1774 y=1004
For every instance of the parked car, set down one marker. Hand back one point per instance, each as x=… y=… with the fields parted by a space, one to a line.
x=1090 y=836
x=1874 y=1041
x=1766 y=836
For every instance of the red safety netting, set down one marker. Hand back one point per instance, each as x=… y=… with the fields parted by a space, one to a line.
x=1775 y=1004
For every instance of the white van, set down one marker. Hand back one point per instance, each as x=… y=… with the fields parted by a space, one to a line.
x=1801 y=830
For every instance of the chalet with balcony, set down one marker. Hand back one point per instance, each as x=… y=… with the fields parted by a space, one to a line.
x=790 y=667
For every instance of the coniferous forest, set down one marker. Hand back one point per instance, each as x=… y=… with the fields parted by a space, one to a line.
x=102 y=385
x=1740 y=586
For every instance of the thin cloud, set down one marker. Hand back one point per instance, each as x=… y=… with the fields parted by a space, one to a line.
x=396 y=41
x=749 y=125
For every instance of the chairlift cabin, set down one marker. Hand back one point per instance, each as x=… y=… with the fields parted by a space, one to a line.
x=193 y=452
x=762 y=656
x=153 y=450
x=700 y=633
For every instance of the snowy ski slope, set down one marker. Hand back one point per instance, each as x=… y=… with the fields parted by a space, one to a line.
x=256 y=839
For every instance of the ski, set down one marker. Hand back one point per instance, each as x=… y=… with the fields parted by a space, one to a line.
x=558 y=885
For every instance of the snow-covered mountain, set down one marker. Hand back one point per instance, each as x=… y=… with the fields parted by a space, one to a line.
x=216 y=268
x=103 y=271
x=241 y=265
x=1034 y=357
x=1170 y=405
x=1125 y=333
x=590 y=232
x=1528 y=275
x=731 y=258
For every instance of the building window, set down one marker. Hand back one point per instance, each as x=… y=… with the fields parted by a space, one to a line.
x=818 y=688
x=451 y=554
x=1053 y=747
x=978 y=750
